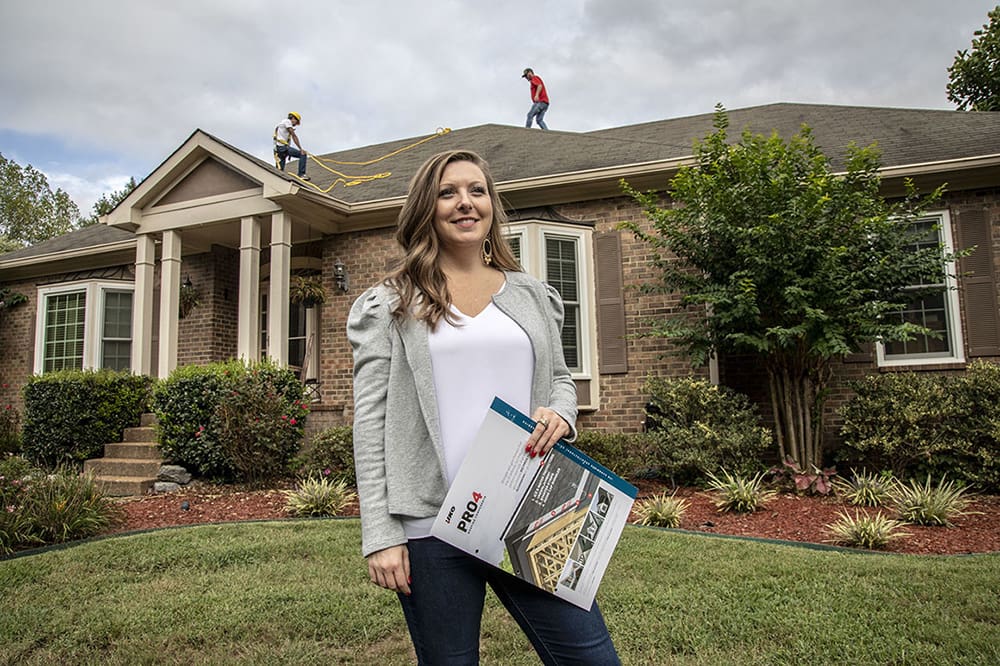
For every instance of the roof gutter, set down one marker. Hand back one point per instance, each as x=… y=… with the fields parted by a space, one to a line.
x=20 y=262
x=923 y=168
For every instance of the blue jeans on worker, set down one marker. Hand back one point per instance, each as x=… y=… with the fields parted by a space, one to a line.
x=445 y=608
x=537 y=112
x=284 y=152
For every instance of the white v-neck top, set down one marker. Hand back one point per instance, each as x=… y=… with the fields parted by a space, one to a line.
x=473 y=361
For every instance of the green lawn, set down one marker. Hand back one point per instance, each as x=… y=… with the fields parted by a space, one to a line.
x=296 y=592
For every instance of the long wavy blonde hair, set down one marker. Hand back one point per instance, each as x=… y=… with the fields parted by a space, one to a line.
x=419 y=280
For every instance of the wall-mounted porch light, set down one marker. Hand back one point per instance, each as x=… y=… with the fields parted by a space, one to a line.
x=340 y=277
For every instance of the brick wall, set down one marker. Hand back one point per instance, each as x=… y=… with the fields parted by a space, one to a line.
x=17 y=342
x=208 y=333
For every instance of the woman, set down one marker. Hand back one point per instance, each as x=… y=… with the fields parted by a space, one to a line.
x=455 y=325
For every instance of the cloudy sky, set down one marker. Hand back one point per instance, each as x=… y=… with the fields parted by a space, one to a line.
x=93 y=92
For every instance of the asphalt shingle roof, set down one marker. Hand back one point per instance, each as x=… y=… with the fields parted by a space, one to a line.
x=92 y=236
x=905 y=137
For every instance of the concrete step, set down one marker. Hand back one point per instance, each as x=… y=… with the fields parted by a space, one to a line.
x=129 y=467
x=114 y=467
x=140 y=434
x=133 y=449
x=124 y=486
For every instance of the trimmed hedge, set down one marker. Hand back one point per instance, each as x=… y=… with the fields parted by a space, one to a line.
x=70 y=415
x=194 y=409
x=630 y=455
x=915 y=424
x=698 y=427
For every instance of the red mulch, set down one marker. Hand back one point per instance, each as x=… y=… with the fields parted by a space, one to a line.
x=786 y=517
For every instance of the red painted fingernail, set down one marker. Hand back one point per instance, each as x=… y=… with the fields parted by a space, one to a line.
x=409 y=580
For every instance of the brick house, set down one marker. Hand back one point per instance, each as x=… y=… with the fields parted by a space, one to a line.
x=216 y=221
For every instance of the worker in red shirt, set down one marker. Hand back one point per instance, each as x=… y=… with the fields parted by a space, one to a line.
x=539 y=99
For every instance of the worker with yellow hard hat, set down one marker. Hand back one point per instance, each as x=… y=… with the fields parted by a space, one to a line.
x=284 y=135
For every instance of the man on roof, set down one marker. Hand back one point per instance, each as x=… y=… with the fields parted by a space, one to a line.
x=539 y=99
x=284 y=135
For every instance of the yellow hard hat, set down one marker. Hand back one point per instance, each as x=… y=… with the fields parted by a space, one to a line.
x=293 y=114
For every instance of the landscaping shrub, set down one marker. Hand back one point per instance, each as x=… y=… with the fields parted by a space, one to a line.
x=38 y=508
x=925 y=504
x=927 y=424
x=195 y=425
x=260 y=428
x=979 y=392
x=739 y=493
x=815 y=481
x=330 y=453
x=898 y=421
x=699 y=427
x=629 y=455
x=10 y=430
x=14 y=523
x=861 y=530
x=661 y=510
x=864 y=489
x=70 y=415
x=319 y=496
x=66 y=506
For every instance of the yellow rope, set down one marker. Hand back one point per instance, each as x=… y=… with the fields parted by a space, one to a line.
x=441 y=131
x=350 y=181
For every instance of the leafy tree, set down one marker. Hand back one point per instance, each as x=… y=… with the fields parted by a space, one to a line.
x=774 y=255
x=974 y=77
x=107 y=203
x=30 y=211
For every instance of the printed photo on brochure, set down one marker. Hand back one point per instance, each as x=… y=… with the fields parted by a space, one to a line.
x=553 y=521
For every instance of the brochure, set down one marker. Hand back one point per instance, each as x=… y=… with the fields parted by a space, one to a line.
x=552 y=520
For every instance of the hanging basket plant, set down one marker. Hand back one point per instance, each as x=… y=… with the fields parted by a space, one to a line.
x=10 y=299
x=188 y=301
x=307 y=290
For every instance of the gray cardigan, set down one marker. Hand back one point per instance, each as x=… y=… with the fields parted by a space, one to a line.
x=397 y=443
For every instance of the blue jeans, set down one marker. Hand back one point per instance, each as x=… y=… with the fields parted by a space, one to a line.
x=537 y=112
x=444 y=611
x=284 y=152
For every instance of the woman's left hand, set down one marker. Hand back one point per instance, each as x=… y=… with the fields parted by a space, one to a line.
x=549 y=429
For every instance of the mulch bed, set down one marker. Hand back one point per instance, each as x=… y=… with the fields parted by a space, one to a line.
x=787 y=517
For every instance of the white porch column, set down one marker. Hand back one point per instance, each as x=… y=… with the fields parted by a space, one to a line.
x=142 y=305
x=248 y=324
x=170 y=287
x=277 y=299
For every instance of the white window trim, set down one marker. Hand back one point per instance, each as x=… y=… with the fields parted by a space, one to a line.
x=93 y=317
x=957 y=354
x=532 y=235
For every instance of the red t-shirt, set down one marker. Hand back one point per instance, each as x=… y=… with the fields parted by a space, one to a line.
x=537 y=85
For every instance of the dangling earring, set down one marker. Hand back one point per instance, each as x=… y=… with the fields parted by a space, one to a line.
x=487 y=251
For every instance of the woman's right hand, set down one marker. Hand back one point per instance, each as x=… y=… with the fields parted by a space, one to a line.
x=390 y=568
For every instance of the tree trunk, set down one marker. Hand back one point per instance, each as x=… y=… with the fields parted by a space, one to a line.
x=798 y=390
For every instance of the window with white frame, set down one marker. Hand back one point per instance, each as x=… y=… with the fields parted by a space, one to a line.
x=937 y=312
x=561 y=255
x=84 y=325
